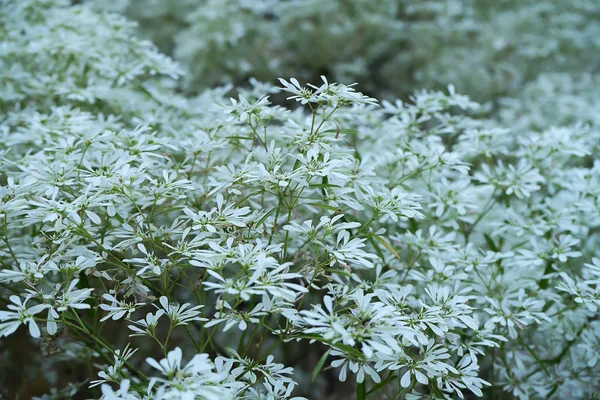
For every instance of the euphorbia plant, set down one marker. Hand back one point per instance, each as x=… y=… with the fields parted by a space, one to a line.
x=214 y=247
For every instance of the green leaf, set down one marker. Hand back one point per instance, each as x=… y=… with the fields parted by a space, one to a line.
x=320 y=364
x=386 y=245
x=345 y=348
x=490 y=242
x=324 y=181
x=240 y=137
x=321 y=205
x=348 y=349
x=323 y=185
x=346 y=131
x=382 y=383
x=264 y=217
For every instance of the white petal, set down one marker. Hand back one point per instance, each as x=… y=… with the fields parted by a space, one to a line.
x=34 y=330
x=405 y=381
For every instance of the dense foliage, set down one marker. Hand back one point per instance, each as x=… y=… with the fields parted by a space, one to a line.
x=391 y=47
x=164 y=237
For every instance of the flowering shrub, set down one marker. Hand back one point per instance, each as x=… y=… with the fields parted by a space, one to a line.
x=244 y=244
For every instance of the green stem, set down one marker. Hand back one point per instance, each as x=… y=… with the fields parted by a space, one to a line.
x=361 y=390
x=189 y=333
x=5 y=239
x=486 y=209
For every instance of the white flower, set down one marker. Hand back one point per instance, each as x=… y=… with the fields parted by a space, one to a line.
x=195 y=379
x=29 y=270
x=20 y=314
x=180 y=314
x=521 y=180
x=220 y=217
x=114 y=372
x=118 y=308
x=232 y=317
x=299 y=93
x=73 y=298
x=146 y=326
x=121 y=394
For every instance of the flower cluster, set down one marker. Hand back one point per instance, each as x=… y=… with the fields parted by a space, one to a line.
x=233 y=245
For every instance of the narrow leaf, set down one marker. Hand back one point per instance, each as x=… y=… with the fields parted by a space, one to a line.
x=325 y=206
x=490 y=242
x=386 y=245
x=320 y=365
x=264 y=217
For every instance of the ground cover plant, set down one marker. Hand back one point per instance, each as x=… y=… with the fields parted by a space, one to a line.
x=165 y=238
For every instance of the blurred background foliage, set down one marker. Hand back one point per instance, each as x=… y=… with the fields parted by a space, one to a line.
x=488 y=49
